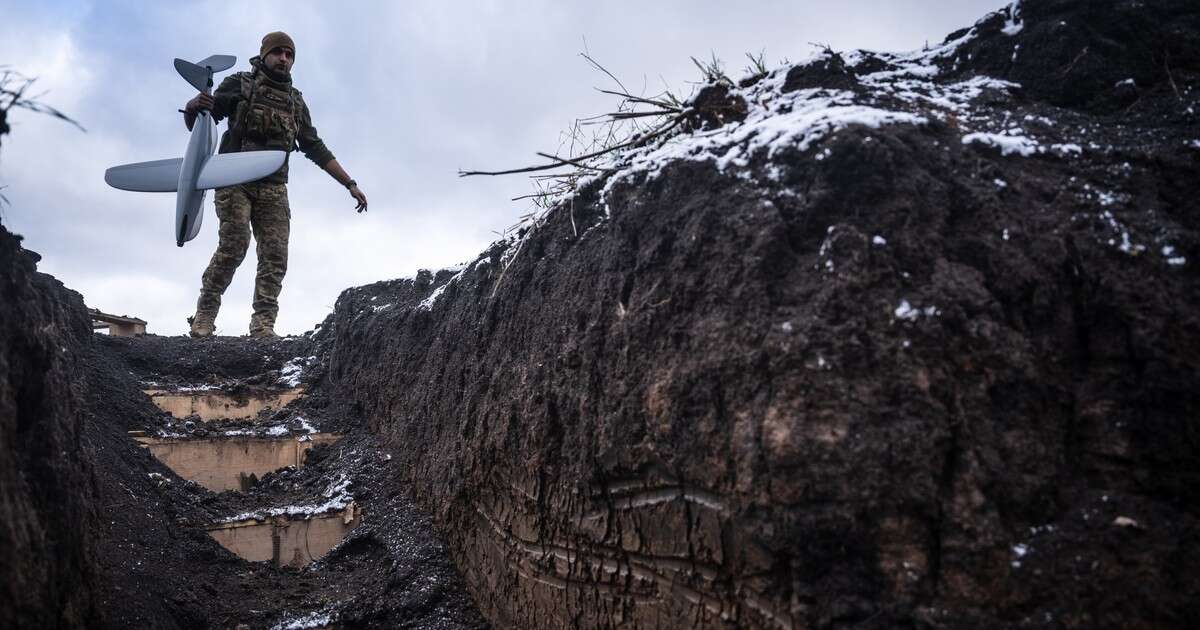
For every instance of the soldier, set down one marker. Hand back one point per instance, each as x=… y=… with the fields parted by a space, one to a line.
x=265 y=112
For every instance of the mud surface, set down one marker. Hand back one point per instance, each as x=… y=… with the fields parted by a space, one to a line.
x=900 y=377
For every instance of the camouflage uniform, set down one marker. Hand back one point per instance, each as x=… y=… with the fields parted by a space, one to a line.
x=265 y=113
x=262 y=208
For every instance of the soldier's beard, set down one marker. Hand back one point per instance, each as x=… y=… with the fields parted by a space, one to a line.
x=277 y=75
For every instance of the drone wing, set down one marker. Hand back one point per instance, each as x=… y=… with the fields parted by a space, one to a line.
x=231 y=169
x=156 y=176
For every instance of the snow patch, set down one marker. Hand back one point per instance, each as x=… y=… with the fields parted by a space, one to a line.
x=337 y=495
x=1008 y=144
x=1069 y=148
x=427 y=303
x=305 y=426
x=1014 y=24
x=312 y=620
x=460 y=271
x=908 y=312
x=1124 y=241
x=292 y=372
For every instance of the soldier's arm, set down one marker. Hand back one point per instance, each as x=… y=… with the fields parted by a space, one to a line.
x=226 y=97
x=314 y=149
x=310 y=143
x=336 y=171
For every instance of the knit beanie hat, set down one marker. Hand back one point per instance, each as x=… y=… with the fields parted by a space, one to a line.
x=274 y=40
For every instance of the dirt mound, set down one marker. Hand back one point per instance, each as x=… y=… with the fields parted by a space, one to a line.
x=909 y=345
x=1083 y=54
x=183 y=361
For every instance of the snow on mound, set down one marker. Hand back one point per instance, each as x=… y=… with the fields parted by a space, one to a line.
x=337 y=497
x=800 y=107
x=776 y=121
x=293 y=371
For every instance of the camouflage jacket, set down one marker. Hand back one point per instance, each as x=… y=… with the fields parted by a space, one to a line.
x=266 y=114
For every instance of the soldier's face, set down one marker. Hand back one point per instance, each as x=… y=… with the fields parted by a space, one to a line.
x=280 y=59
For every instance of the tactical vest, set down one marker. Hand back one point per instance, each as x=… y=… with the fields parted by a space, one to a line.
x=266 y=118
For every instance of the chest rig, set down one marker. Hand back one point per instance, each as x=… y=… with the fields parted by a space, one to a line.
x=267 y=115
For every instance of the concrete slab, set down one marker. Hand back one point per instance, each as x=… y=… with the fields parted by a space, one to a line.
x=284 y=541
x=227 y=463
x=216 y=405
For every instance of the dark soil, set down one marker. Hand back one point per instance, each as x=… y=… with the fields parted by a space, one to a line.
x=162 y=570
x=183 y=361
x=1078 y=51
x=700 y=401
x=48 y=576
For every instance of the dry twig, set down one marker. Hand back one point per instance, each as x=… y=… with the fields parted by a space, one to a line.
x=13 y=86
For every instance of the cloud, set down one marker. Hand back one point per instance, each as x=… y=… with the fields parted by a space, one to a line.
x=405 y=94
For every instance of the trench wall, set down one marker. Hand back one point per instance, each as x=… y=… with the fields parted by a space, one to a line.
x=681 y=416
x=47 y=575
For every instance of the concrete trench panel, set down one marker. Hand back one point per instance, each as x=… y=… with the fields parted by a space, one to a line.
x=211 y=405
x=286 y=541
x=226 y=463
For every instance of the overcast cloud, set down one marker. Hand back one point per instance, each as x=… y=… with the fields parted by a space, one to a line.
x=404 y=94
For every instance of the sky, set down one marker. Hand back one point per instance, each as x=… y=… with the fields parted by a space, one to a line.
x=405 y=94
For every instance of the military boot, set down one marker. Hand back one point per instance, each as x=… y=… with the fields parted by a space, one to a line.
x=262 y=326
x=206 y=313
x=202 y=324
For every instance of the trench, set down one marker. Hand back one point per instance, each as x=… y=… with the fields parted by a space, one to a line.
x=232 y=461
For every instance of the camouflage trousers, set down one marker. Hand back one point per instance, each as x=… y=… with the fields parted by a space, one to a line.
x=261 y=208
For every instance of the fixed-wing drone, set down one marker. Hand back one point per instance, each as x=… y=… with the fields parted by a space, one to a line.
x=198 y=169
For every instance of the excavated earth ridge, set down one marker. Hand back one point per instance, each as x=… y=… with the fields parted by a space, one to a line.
x=875 y=341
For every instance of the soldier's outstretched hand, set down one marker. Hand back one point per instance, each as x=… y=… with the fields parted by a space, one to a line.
x=360 y=198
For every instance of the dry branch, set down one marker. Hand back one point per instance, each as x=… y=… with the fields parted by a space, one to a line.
x=13 y=86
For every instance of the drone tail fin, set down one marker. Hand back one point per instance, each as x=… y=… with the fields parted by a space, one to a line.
x=199 y=74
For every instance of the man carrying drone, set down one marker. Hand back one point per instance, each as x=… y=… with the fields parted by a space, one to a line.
x=265 y=113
